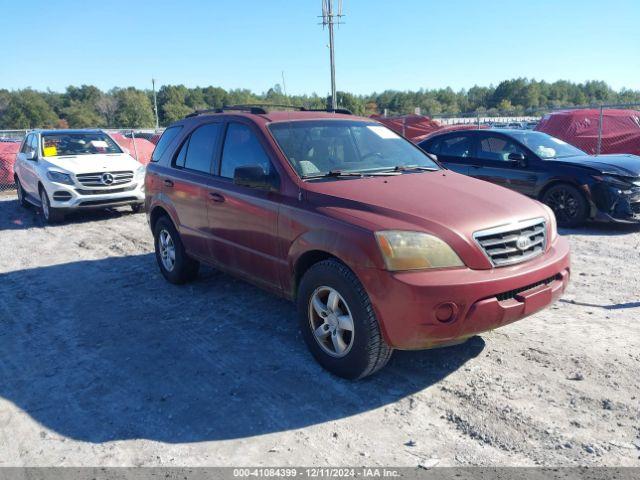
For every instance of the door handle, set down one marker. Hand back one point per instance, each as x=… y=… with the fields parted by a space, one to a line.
x=168 y=183
x=216 y=197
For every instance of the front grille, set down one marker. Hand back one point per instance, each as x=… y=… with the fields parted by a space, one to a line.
x=83 y=191
x=514 y=243
x=512 y=293
x=96 y=179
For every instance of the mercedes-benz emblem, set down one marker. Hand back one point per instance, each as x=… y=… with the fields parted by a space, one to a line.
x=107 y=178
x=523 y=242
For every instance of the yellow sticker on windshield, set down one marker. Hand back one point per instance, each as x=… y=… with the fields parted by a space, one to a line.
x=51 y=151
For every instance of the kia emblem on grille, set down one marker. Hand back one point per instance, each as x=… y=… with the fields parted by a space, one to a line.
x=523 y=242
x=107 y=178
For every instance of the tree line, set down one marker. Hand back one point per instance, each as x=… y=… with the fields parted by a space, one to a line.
x=88 y=106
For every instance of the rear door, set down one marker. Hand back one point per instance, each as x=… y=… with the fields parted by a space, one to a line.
x=187 y=187
x=492 y=163
x=243 y=220
x=454 y=150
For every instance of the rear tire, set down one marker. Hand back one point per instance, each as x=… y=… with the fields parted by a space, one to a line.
x=175 y=265
x=338 y=322
x=568 y=204
x=22 y=196
x=49 y=214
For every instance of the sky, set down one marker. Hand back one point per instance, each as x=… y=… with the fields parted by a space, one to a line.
x=400 y=45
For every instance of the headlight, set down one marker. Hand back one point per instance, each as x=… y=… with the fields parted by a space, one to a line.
x=140 y=172
x=59 y=177
x=553 y=224
x=618 y=182
x=415 y=250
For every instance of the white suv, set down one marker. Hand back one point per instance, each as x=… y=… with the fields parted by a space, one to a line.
x=62 y=170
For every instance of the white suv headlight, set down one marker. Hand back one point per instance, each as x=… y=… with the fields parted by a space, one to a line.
x=405 y=250
x=141 y=171
x=59 y=177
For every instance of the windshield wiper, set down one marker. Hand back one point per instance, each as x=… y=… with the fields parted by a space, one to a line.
x=342 y=174
x=404 y=168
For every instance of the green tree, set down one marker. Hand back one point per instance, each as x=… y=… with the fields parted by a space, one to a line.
x=27 y=109
x=134 y=109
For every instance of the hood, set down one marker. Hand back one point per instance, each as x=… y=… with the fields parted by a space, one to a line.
x=446 y=204
x=616 y=164
x=94 y=163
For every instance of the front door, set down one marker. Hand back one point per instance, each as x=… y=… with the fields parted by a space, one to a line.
x=243 y=220
x=492 y=163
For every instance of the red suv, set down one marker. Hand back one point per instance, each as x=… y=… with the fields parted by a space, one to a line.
x=379 y=245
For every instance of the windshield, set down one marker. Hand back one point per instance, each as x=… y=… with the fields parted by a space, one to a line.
x=319 y=147
x=80 y=143
x=546 y=146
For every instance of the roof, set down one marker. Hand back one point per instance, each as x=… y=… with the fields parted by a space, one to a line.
x=63 y=131
x=266 y=116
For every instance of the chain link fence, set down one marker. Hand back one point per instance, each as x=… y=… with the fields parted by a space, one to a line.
x=139 y=143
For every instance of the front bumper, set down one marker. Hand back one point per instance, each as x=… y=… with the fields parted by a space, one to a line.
x=70 y=197
x=617 y=205
x=410 y=305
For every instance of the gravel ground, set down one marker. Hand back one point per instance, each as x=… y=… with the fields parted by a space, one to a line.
x=104 y=364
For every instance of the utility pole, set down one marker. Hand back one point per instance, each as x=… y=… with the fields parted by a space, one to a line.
x=330 y=18
x=155 y=102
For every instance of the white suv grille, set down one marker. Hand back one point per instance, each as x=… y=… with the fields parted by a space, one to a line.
x=513 y=243
x=105 y=179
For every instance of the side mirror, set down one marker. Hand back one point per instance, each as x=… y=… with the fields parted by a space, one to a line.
x=518 y=158
x=30 y=155
x=254 y=176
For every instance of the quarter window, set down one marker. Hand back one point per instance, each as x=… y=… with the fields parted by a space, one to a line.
x=166 y=138
x=242 y=149
x=497 y=148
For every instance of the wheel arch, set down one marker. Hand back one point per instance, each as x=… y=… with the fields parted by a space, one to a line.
x=583 y=189
x=156 y=213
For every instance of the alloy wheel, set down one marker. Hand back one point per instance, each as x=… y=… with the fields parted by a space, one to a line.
x=167 y=250
x=331 y=321
x=564 y=205
x=45 y=204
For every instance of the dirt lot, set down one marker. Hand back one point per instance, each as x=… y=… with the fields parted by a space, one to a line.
x=104 y=363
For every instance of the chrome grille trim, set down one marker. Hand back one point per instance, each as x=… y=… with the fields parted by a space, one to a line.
x=499 y=243
x=95 y=179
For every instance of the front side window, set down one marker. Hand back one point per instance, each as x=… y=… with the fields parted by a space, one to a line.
x=197 y=151
x=318 y=147
x=79 y=143
x=497 y=148
x=26 y=146
x=166 y=138
x=242 y=149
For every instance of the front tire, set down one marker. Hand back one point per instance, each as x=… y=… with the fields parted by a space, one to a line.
x=22 y=196
x=175 y=265
x=137 y=207
x=338 y=322
x=568 y=204
x=49 y=214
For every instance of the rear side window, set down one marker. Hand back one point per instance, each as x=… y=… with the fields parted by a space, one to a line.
x=166 y=138
x=197 y=152
x=458 y=146
x=242 y=149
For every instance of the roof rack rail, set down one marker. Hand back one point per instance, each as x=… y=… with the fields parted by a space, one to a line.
x=344 y=111
x=259 y=109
